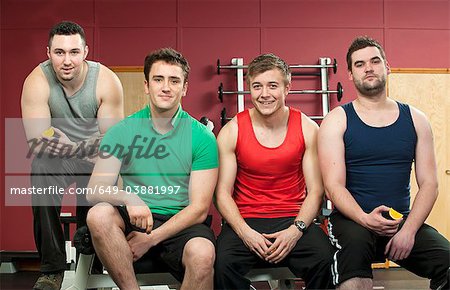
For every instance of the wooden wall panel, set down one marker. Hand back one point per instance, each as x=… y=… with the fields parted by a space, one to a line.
x=133 y=88
x=430 y=93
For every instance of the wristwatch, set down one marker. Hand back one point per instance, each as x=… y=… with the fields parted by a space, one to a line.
x=301 y=226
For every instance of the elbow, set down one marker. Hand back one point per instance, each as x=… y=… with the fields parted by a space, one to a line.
x=329 y=194
x=202 y=215
x=91 y=197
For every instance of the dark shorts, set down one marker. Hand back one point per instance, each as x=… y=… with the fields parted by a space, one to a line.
x=170 y=251
x=357 y=248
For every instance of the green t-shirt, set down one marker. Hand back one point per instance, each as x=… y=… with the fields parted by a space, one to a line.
x=158 y=167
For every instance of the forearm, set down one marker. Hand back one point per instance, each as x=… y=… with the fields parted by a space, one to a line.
x=187 y=217
x=310 y=208
x=230 y=212
x=422 y=206
x=346 y=204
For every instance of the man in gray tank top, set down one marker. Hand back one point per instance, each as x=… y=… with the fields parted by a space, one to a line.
x=68 y=103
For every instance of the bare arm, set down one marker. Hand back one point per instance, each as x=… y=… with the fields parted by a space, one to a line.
x=201 y=190
x=286 y=240
x=103 y=189
x=110 y=97
x=311 y=171
x=110 y=94
x=332 y=164
x=426 y=173
x=226 y=205
x=35 y=110
x=399 y=247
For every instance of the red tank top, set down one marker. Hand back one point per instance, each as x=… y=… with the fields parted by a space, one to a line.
x=269 y=181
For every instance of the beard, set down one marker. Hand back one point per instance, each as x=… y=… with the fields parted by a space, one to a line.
x=371 y=89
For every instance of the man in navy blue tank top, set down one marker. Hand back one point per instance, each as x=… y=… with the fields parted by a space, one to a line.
x=366 y=151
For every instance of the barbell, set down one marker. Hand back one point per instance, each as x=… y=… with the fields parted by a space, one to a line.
x=294 y=66
x=339 y=92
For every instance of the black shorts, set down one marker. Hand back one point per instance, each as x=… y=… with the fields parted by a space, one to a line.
x=357 y=248
x=170 y=251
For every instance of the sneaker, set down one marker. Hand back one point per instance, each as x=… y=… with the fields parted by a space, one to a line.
x=49 y=281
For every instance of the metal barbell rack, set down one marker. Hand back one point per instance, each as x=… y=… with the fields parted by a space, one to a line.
x=339 y=92
x=324 y=64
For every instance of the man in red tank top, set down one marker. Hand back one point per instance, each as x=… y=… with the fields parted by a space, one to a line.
x=268 y=161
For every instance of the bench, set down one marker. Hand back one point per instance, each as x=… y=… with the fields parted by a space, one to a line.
x=278 y=278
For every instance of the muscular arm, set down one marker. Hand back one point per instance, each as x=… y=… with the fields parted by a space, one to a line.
x=311 y=171
x=110 y=97
x=426 y=174
x=201 y=190
x=225 y=204
x=332 y=164
x=35 y=109
x=110 y=94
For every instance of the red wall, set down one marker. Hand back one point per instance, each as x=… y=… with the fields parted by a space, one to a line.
x=415 y=34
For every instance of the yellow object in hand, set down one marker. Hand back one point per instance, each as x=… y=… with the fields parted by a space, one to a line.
x=49 y=132
x=395 y=214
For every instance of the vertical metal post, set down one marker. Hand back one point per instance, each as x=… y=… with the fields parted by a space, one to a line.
x=324 y=85
x=240 y=82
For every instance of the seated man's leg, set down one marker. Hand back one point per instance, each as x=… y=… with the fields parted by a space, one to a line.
x=311 y=258
x=190 y=255
x=356 y=248
x=233 y=261
x=198 y=261
x=108 y=230
x=429 y=257
x=54 y=173
x=49 y=173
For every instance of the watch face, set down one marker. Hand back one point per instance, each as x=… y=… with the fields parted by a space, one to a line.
x=300 y=225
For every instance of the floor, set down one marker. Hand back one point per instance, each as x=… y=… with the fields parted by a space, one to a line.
x=390 y=279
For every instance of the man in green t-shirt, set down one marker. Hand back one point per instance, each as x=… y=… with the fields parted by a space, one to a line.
x=168 y=163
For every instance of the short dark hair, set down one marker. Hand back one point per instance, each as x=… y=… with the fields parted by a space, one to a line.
x=66 y=28
x=168 y=55
x=362 y=42
x=266 y=62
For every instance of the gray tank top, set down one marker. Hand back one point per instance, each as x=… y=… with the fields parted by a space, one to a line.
x=76 y=115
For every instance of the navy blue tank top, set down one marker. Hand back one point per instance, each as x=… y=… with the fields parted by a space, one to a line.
x=378 y=160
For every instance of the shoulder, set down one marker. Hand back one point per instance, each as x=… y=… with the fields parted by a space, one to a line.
x=36 y=85
x=108 y=83
x=229 y=133
x=36 y=77
x=420 y=120
x=335 y=118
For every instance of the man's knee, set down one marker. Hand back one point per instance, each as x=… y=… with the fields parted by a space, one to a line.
x=101 y=218
x=199 y=254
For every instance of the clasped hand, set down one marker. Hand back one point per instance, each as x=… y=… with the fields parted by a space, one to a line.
x=272 y=252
